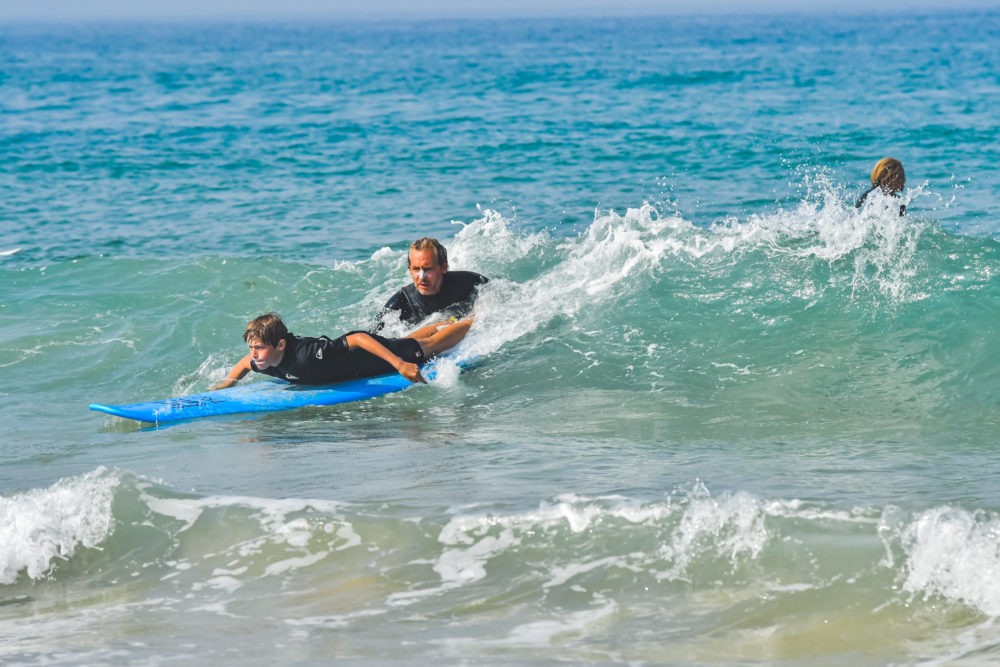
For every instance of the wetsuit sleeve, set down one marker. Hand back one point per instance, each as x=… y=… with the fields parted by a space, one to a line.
x=863 y=197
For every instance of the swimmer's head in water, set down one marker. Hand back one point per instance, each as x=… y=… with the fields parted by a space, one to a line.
x=889 y=176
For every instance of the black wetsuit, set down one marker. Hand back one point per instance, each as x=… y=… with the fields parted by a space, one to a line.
x=324 y=361
x=864 y=196
x=456 y=298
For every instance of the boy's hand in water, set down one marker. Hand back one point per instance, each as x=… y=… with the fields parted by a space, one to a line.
x=410 y=371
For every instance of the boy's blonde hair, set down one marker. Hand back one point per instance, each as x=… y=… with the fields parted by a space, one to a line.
x=267 y=328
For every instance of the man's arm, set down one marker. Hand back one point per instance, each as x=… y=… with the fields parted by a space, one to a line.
x=241 y=368
x=365 y=342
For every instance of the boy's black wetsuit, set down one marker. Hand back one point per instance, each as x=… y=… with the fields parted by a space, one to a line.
x=457 y=295
x=324 y=361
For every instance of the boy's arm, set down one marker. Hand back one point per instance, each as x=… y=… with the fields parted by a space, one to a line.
x=241 y=368
x=362 y=340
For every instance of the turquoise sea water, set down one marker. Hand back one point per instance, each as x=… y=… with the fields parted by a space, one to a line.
x=721 y=416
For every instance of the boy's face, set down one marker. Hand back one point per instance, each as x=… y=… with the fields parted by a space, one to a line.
x=264 y=355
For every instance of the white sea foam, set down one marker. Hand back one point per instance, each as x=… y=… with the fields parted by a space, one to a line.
x=491 y=241
x=800 y=510
x=462 y=565
x=447 y=374
x=210 y=371
x=41 y=525
x=563 y=574
x=731 y=527
x=596 y=266
x=544 y=633
x=309 y=541
x=471 y=540
x=616 y=252
x=290 y=564
x=272 y=511
x=954 y=553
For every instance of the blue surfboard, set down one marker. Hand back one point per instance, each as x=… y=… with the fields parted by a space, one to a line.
x=266 y=396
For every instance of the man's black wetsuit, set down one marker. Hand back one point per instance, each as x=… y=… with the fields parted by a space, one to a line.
x=324 y=361
x=456 y=298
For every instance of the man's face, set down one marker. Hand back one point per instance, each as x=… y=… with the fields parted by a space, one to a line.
x=427 y=274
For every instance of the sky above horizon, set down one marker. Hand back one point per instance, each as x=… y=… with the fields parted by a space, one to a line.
x=75 y=10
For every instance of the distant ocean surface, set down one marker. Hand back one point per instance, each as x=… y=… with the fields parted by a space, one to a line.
x=720 y=417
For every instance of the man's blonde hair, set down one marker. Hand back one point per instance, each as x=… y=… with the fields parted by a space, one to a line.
x=427 y=242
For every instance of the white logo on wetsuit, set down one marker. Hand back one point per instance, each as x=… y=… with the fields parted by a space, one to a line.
x=319 y=353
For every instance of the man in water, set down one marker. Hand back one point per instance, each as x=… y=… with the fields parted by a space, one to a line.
x=434 y=288
x=889 y=177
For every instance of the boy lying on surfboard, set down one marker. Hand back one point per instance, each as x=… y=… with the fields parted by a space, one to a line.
x=305 y=360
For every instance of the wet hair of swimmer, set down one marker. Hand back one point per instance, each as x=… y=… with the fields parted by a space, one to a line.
x=427 y=243
x=888 y=176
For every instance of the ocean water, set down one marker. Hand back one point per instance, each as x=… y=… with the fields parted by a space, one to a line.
x=720 y=417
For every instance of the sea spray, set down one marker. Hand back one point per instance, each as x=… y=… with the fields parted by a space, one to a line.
x=43 y=527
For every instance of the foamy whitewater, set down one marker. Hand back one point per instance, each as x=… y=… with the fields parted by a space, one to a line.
x=717 y=416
